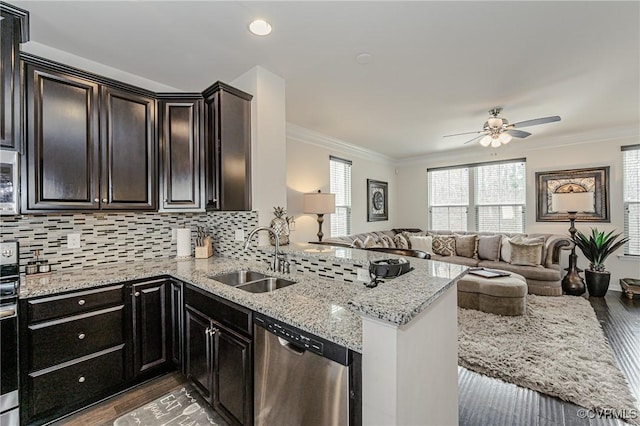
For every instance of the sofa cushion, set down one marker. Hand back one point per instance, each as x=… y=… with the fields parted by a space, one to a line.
x=489 y=247
x=466 y=245
x=530 y=272
x=460 y=260
x=421 y=243
x=387 y=241
x=371 y=241
x=527 y=251
x=444 y=245
x=357 y=243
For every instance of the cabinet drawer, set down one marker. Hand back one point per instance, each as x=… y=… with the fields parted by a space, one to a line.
x=236 y=317
x=74 y=303
x=80 y=380
x=61 y=340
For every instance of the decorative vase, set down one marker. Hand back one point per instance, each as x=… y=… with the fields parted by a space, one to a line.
x=280 y=224
x=597 y=282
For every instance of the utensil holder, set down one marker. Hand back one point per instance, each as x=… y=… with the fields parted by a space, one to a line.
x=206 y=250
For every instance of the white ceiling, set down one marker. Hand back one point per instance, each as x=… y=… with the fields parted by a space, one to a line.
x=436 y=68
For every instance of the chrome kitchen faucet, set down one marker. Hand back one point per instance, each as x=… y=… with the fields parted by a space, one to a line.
x=278 y=264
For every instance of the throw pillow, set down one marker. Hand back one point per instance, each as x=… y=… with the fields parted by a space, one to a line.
x=422 y=243
x=466 y=245
x=526 y=251
x=489 y=247
x=505 y=249
x=357 y=243
x=444 y=245
x=370 y=242
x=400 y=241
x=387 y=241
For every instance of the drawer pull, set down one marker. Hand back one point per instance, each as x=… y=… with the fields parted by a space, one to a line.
x=136 y=294
x=81 y=302
x=81 y=336
x=96 y=200
x=81 y=379
x=104 y=200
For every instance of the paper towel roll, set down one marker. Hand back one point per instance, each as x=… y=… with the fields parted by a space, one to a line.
x=183 y=238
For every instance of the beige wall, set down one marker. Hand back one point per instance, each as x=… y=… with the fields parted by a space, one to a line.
x=413 y=202
x=308 y=171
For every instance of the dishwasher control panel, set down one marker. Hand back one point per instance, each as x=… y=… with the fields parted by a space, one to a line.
x=304 y=340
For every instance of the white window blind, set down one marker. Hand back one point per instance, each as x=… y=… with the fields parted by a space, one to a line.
x=500 y=197
x=631 y=197
x=448 y=199
x=340 y=184
x=485 y=197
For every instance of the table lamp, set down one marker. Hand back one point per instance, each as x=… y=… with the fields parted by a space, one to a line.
x=319 y=203
x=572 y=202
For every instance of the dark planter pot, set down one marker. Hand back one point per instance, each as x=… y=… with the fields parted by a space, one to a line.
x=597 y=282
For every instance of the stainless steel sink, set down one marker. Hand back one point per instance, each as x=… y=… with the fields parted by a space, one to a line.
x=265 y=285
x=236 y=278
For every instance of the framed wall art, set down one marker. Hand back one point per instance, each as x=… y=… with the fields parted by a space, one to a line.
x=593 y=180
x=377 y=200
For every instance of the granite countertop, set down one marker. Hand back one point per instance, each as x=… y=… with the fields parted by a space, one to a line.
x=328 y=308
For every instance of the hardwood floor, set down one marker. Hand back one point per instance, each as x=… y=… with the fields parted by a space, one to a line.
x=487 y=401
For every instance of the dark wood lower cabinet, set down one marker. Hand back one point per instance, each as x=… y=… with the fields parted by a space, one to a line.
x=149 y=307
x=219 y=360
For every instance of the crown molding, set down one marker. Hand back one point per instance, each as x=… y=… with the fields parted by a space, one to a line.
x=304 y=135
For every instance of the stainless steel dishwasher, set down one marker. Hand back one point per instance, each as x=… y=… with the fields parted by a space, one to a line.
x=299 y=379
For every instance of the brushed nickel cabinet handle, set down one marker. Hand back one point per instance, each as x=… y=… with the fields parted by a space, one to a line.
x=136 y=294
x=96 y=200
x=104 y=200
x=81 y=379
x=81 y=302
x=81 y=336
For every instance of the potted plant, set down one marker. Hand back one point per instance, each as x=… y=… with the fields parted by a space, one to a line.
x=596 y=248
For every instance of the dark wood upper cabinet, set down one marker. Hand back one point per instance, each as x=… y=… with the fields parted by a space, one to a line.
x=62 y=149
x=181 y=153
x=128 y=151
x=227 y=148
x=14 y=30
x=89 y=146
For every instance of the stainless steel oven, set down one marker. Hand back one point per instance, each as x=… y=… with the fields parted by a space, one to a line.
x=9 y=188
x=9 y=287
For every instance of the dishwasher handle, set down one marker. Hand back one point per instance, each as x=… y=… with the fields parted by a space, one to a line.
x=291 y=347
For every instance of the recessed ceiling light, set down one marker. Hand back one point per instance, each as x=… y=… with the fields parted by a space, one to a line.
x=363 y=58
x=260 y=27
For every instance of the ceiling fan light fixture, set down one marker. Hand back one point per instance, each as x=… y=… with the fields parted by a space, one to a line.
x=505 y=138
x=485 y=141
x=494 y=122
x=495 y=142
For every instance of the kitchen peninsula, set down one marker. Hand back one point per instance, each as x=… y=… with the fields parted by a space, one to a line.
x=405 y=328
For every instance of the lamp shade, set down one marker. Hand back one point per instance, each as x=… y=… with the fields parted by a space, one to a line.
x=319 y=203
x=572 y=202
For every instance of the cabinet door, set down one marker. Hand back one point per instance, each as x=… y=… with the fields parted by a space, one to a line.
x=233 y=381
x=149 y=325
x=228 y=148
x=198 y=351
x=177 y=331
x=62 y=142
x=129 y=152
x=181 y=173
x=9 y=82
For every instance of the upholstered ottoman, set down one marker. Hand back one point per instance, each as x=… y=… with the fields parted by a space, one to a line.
x=500 y=295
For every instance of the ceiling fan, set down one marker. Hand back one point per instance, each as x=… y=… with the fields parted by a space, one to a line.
x=497 y=131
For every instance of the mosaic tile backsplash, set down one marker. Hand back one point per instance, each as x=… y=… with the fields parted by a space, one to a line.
x=119 y=237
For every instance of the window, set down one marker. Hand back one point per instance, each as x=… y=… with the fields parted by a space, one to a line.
x=487 y=197
x=631 y=197
x=340 y=184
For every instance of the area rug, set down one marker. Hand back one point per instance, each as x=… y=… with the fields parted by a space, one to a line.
x=183 y=406
x=557 y=348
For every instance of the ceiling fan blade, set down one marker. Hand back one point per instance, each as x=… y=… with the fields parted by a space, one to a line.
x=518 y=133
x=465 y=133
x=537 y=121
x=474 y=139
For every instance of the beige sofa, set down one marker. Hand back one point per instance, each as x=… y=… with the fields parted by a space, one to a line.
x=542 y=279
